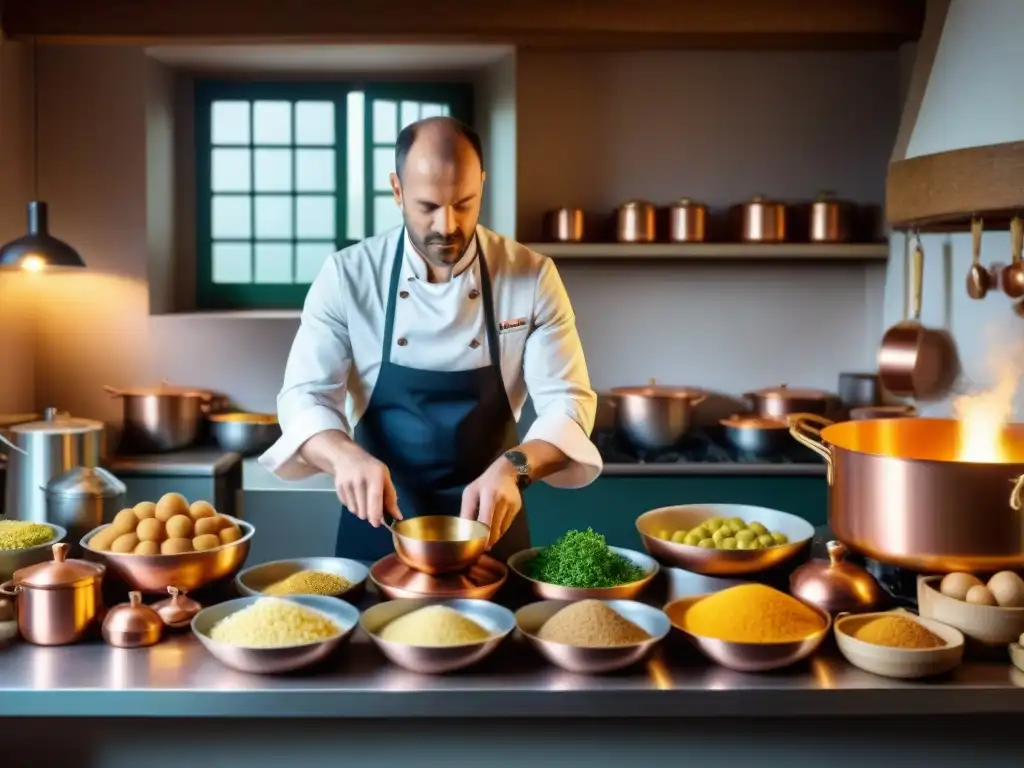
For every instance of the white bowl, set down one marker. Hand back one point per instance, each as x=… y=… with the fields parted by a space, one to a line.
x=903 y=663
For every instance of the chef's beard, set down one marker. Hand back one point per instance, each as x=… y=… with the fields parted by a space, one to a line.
x=440 y=257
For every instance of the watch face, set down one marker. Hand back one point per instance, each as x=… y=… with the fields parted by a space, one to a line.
x=518 y=459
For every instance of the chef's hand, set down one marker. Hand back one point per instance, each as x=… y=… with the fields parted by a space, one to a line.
x=364 y=486
x=494 y=499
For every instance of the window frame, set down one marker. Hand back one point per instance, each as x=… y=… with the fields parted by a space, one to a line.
x=239 y=296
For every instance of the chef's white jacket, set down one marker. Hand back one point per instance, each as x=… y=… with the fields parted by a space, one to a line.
x=336 y=356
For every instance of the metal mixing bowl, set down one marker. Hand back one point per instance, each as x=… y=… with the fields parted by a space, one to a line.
x=188 y=571
x=593 y=660
x=722 y=562
x=12 y=560
x=269 y=661
x=749 y=657
x=496 y=619
x=481 y=581
x=249 y=434
x=252 y=581
x=520 y=564
x=438 y=544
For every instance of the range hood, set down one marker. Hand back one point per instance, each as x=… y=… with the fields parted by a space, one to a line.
x=963 y=130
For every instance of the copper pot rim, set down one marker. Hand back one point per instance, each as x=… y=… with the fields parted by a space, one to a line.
x=759 y=423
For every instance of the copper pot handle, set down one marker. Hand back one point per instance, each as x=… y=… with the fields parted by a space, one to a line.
x=806 y=430
x=9 y=589
x=1017 y=495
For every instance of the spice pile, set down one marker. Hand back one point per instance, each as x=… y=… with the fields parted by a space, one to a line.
x=752 y=613
x=309 y=583
x=435 y=626
x=582 y=559
x=591 y=624
x=898 y=632
x=271 y=622
x=19 y=534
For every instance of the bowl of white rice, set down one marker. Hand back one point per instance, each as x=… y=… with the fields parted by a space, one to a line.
x=271 y=635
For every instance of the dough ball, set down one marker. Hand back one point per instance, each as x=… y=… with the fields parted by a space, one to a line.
x=213 y=524
x=148 y=548
x=102 y=540
x=206 y=541
x=201 y=509
x=176 y=546
x=229 y=535
x=179 y=527
x=145 y=510
x=125 y=543
x=151 y=529
x=125 y=521
x=171 y=504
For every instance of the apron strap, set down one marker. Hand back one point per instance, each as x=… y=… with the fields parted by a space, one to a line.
x=389 y=316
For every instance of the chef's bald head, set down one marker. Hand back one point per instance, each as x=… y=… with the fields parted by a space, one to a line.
x=444 y=138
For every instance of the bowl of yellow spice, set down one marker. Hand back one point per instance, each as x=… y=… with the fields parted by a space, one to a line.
x=327 y=576
x=23 y=543
x=899 y=644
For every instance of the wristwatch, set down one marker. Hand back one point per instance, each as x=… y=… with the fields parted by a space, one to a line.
x=522 y=466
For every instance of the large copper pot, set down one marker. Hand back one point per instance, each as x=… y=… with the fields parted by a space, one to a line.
x=899 y=494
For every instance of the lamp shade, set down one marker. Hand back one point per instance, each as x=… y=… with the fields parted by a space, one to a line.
x=38 y=249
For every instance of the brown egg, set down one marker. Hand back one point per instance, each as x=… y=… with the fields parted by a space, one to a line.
x=179 y=527
x=229 y=535
x=171 y=504
x=176 y=546
x=206 y=541
x=101 y=541
x=125 y=543
x=201 y=509
x=125 y=521
x=145 y=509
x=151 y=529
x=148 y=548
x=210 y=524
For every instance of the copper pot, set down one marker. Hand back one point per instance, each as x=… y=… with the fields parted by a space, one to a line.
x=756 y=436
x=564 y=225
x=60 y=601
x=831 y=220
x=780 y=402
x=900 y=493
x=687 y=221
x=635 y=222
x=835 y=585
x=761 y=221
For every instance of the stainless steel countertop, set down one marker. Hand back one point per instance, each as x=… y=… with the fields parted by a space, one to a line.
x=199 y=462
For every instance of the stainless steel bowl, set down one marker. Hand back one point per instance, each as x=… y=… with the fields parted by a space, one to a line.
x=252 y=581
x=722 y=562
x=495 y=618
x=749 y=657
x=188 y=571
x=593 y=660
x=520 y=562
x=249 y=434
x=269 y=661
x=13 y=559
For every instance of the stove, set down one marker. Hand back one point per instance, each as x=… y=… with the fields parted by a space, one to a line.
x=702 y=446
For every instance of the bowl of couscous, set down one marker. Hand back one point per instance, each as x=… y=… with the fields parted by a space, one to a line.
x=330 y=576
x=23 y=543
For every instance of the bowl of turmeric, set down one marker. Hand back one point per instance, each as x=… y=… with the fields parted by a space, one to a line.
x=750 y=627
x=899 y=644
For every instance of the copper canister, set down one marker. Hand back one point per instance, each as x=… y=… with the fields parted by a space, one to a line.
x=831 y=220
x=564 y=225
x=687 y=221
x=761 y=220
x=636 y=222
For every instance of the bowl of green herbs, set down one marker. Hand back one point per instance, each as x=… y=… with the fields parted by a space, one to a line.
x=580 y=565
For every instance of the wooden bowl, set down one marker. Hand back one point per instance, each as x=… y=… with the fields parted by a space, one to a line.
x=904 y=663
x=987 y=628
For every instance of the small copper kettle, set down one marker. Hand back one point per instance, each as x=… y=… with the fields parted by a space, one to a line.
x=835 y=585
x=177 y=611
x=132 y=624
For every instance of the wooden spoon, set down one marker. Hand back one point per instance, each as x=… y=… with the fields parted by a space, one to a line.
x=1013 y=275
x=979 y=279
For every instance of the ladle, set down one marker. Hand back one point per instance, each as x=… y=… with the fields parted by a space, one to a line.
x=1013 y=275
x=979 y=279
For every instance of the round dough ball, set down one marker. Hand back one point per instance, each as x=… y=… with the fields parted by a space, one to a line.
x=229 y=535
x=148 y=548
x=102 y=540
x=176 y=546
x=206 y=541
x=213 y=524
x=179 y=527
x=979 y=595
x=125 y=521
x=151 y=529
x=201 y=509
x=1008 y=589
x=145 y=510
x=171 y=504
x=125 y=543
x=957 y=585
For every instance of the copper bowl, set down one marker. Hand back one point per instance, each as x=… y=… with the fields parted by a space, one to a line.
x=437 y=544
x=432 y=660
x=188 y=571
x=12 y=560
x=252 y=581
x=593 y=660
x=520 y=563
x=270 y=661
x=749 y=657
x=481 y=581
x=722 y=562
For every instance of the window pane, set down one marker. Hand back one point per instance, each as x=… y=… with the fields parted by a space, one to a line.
x=273 y=216
x=273 y=170
x=433 y=110
x=273 y=263
x=410 y=112
x=229 y=122
x=314 y=122
x=355 y=221
x=314 y=170
x=309 y=258
x=272 y=122
x=383 y=165
x=232 y=217
x=232 y=263
x=385 y=122
x=386 y=215
x=315 y=216
x=230 y=170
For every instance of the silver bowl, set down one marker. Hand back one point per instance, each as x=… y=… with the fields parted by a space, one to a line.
x=270 y=661
x=12 y=560
x=594 y=660
x=496 y=619
x=253 y=580
x=519 y=563
x=249 y=434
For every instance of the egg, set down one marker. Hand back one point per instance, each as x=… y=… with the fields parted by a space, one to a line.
x=956 y=585
x=980 y=595
x=1008 y=589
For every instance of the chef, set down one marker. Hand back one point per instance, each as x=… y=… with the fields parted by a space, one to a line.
x=416 y=352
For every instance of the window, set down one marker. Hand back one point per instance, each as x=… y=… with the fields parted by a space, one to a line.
x=288 y=173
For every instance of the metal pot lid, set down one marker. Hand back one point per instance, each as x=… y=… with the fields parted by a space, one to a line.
x=58 y=423
x=92 y=482
x=161 y=390
x=651 y=389
x=637 y=204
x=59 y=572
x=785 y=392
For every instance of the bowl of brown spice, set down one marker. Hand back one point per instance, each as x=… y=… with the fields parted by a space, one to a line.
x=592 y=636
x=899 y=644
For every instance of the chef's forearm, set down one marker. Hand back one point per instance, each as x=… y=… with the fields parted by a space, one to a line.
x=543 y=458
x=326 y=449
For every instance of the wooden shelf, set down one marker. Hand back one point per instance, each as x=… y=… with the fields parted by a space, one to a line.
x=716 y=251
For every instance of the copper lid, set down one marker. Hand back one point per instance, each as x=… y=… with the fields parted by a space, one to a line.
x=132 y=618
x=785 y=392
x=59 y=572
x=835 y=585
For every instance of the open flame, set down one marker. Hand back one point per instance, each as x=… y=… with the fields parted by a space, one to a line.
x=984 y=415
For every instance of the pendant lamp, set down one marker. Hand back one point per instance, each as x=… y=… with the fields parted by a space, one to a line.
x=38 y=249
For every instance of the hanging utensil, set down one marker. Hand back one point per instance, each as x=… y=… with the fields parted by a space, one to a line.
x=979 y=280
x=1013 y=275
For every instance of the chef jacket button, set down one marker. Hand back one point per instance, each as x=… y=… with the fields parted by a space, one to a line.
x=402 y=342
x=404 y=294
x=474 y=344
x=474 y=293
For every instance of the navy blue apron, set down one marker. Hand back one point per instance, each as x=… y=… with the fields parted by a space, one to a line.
x=436 y=431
